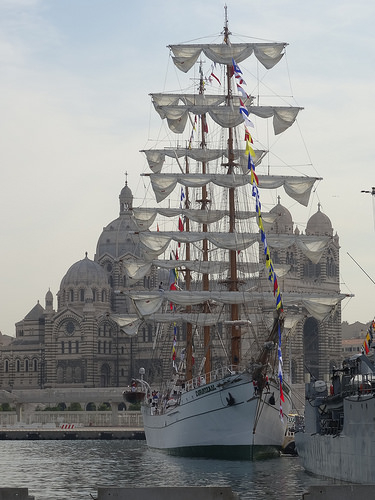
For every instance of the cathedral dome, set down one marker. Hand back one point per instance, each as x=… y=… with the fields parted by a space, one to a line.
x=85 y=272
x=120 y=237
x=319 y=224
x=283 y=223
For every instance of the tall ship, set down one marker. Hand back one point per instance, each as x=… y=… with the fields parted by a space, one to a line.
x=337 y=439
x=219 y=309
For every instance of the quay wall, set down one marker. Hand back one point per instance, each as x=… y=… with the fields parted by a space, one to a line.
x=123 y=419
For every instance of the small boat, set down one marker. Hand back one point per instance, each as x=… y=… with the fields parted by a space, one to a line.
x=134 y=394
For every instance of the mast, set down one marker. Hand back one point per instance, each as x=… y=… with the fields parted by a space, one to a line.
x=204 y=202
x=232 y=283
x=205 y=278
x=189 y=326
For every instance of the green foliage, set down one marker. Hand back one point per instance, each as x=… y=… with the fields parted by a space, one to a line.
x=6 y=407
x=58 y=407
x=75 y=407
x=104 y=407
x=134 y=407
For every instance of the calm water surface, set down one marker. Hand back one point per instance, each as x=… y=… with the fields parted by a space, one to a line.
x=72 y=470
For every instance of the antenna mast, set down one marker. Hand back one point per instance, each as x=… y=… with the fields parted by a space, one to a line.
x=372 y=192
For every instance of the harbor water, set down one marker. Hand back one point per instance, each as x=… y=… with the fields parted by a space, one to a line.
x=73 y=470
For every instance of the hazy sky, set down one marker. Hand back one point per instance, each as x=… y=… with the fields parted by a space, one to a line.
x=75 y=111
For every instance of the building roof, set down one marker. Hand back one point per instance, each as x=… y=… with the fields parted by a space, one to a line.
x=319 y=224
x=85 y=272
x=36 y=313
x=283 y=223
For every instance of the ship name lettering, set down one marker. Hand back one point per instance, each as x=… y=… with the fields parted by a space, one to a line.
x=208 y=388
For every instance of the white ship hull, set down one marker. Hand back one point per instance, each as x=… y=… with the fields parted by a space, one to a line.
x=222 y=419
x=349 y=456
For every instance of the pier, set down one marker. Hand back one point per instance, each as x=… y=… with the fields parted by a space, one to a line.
x=72 y=433
x=339 y=492
x=28 y=418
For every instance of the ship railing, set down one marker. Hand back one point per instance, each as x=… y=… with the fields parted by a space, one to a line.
x=217 y=374
x=361 y=384
x=164 y=403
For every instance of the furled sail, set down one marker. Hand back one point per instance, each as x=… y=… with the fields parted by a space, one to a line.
x=137 y=269
x=298 y=188
x=227 y=116
x=311 y=246
x=149 y=303
x=268 y=54
x=158 y=242
x=145 y=217
x=156 y=157
x=129 y=324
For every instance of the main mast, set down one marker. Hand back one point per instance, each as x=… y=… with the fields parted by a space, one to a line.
x=232 y=282
x=204 y=202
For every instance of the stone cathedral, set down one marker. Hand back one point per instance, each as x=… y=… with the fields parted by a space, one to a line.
x=78 y=340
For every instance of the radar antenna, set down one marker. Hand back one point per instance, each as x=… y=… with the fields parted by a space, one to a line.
x=372 y=192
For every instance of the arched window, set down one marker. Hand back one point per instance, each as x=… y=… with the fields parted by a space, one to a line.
x=71 y=298
x=311 y=346
x=103 y=296
x=94 y=294
x=35 y=364
x=311 y=270
x=6 y=367
x=77 y=347
x=104 y=347
x=149 y=333
x=294 y=371
x=70 y=347
x=99 y=347
x=82 y=295
x=62 y=347
x=26 y=365
x=18 y=365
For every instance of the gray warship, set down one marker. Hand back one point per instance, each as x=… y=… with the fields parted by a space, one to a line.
x=337 y=439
